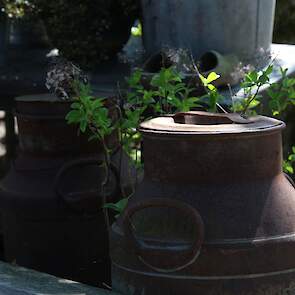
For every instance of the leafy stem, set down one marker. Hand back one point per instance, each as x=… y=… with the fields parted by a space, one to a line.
x=251 y=99
x=289 y=164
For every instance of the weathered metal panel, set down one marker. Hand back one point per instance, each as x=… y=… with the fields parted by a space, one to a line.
x=241 y=27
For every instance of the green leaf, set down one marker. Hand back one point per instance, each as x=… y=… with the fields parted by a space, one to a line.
x=76 y=105
x=203 y=80
x=211 y=87
x=97 y=103
x=93 y=137
x=254 y=103
x=212 y=77
x=135 y=78
x=288 y=164
x=83 y=126
x=263 y=79
x=74 y=116
x=252 y=76
x=287 y=167
x=275 y=113
x=118 y=207
x=137 y=31
x=269 y=70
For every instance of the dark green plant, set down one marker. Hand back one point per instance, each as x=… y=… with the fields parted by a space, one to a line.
x=171 y=92
x=68 y=82
x=168 y=93
x=251 y=86
x=86 y=31
x=279 y=96
x=136 y=31
x=118 y=207
x=289 y=164
x=282 y=95
x=91 y=114
x=213 y=97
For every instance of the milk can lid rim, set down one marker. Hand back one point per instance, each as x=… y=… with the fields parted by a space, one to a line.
x=238 y=125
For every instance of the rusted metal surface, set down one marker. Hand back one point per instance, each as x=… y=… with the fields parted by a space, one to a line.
x=52 y=197
x=43 y=129
x=228 y=171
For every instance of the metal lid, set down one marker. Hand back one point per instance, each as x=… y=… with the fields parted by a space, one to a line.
x=209 y=123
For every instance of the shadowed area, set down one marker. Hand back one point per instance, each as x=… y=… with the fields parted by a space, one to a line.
x=20 y=281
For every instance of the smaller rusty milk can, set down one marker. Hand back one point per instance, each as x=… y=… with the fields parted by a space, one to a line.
x=214 y=214
x=51 y=199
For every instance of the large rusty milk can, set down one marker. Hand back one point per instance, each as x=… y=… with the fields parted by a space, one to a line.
x=51 y=199
x=214 y=214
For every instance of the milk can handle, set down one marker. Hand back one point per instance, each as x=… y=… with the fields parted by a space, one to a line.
x=205 y=118
x=90 y=197
x=290 y=179
x=141 y=248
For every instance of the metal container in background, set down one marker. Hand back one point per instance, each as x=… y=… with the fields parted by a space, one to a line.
x=214 y=214
x=51 y=199
x=240 y=27
x=27 y=34
x=3 y=38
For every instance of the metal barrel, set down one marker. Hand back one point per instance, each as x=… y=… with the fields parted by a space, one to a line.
x=3 y=38
x=240 y=27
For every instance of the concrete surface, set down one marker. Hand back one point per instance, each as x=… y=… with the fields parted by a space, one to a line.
x=20 y=281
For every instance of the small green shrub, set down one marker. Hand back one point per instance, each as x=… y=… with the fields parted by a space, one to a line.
x=168 y=93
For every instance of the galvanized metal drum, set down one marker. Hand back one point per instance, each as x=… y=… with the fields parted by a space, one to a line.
x=240 y=27
x=52 y=197
x=214 y=214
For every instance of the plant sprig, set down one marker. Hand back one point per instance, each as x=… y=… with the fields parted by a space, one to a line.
x=213 y=95
x=282 y=94
x=251 y=86
x=90 y=112
x=289 y=164
x=168 y=93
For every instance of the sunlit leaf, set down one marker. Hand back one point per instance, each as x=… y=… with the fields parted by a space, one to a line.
x=212 y=77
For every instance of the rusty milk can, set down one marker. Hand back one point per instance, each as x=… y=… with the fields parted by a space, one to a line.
x=214 y=214
x=51 y=199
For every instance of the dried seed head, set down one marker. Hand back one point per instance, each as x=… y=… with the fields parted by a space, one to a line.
x=62 y=78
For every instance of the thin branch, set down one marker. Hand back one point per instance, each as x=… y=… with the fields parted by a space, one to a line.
x=251 y=100
x=221 y=108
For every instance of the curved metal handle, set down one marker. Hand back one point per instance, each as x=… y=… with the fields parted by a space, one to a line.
x=188 y=256
x=290 y=179
x=205 y=118
x=87 y=201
